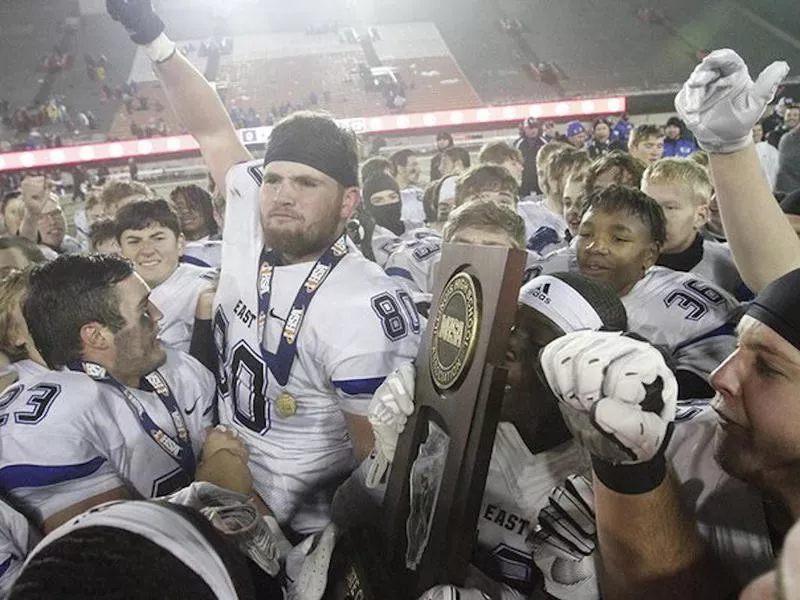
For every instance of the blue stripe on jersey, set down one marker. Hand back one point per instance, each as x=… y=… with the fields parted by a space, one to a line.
x=22 y=476
x=358 y=387
x=391 y=271
x=726 y=329
x=5 y=564
x=191 y=260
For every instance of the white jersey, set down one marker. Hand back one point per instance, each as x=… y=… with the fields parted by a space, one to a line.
x=411 y=262
x=177 y=298
x=687 y=315
x=203 y=253
x=95 y=442
x=717 y=266
x=27 y=368
x=15 y=542
x=413 y=210
x=358 y=329
x=729 y=514
x=560 y=261
x=385 y=243
x=544 y=230
x=518 y=486
x=413 y=265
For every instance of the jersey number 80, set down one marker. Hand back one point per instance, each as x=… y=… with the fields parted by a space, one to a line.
x=248 y=381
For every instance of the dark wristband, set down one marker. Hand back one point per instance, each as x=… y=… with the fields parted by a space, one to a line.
x=202 y=344
x=631 y=479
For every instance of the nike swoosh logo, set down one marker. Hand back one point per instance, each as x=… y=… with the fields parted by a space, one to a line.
x=189 y=411
x=272 y=314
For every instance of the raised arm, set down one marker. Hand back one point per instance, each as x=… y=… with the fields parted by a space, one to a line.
x=720 y=103
x=192 y=97
x=649 y=548
x=618 y=398
x=762 y=239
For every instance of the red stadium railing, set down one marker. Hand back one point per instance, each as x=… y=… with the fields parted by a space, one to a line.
x=153 y=147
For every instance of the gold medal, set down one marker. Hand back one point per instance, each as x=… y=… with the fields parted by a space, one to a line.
x=285 y=405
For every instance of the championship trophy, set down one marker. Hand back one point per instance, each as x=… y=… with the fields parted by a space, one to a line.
x=430 y=511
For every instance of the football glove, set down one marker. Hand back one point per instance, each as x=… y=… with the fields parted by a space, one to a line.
x=720 y=103
x=616 y=394
x=391 y=405
x=138 y=18
x=307 y=565
x=451 y=592
x=565 y=540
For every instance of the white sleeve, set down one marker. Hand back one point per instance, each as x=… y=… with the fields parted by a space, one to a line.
x=376 y=340
x=242 y=212
x=48 y=478
x=411 y=265
x=15 y=539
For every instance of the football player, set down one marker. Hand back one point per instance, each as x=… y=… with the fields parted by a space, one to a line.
x=621 y=233
x=382 y=228
x=574 y=193
x=647 y=143
x=149 y=234
x=307 y=327
x=503 y=155
x=411 y=263
x=116 y=194
x=125 y=417
x=683 y=189
x=615 y=167
x=544 y=221
x=139 y=549
x=195 y=208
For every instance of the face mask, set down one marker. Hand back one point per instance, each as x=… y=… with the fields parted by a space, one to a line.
x=388 y=216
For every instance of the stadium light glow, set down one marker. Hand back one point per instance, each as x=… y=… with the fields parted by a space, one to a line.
x=385 y=124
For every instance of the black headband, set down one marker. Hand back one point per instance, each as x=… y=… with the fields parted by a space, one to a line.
x=778 y=306
x=331 y=159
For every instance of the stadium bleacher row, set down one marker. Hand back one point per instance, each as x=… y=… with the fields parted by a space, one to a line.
x=445 y=58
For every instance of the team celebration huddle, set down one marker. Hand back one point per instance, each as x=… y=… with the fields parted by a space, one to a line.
x=232 y=394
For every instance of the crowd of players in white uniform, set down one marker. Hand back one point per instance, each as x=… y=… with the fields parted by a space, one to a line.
x=108 y=395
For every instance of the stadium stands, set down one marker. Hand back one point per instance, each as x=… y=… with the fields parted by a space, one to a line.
x=438 y=58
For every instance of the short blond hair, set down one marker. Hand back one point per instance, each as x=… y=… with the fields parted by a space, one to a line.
x=115 y=190
x=681 y=171
x=485 y=214
x=13 y=291
x=485 y=178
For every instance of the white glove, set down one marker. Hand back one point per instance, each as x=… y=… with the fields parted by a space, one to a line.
x=451 y=592
x=565 y=540
x=307 y=565
x=720 y=103
x=391 y=405
x=616 y=394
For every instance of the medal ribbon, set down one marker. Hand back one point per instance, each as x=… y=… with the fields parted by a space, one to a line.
x=179 y=449
x=280 y=363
